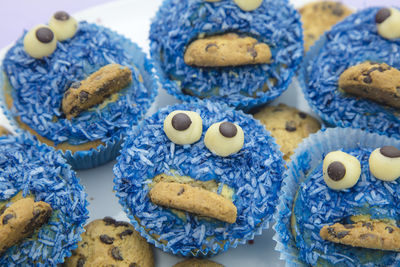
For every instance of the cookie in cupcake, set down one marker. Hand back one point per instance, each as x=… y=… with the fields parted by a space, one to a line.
x=42 y=205
x=242 y=53
x=199 y=151
x=77 y=86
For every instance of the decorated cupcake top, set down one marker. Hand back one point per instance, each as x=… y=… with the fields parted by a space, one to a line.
x=42 y=206
x=346 y=211
x=206 y=151
x=242 y=53
x=352 y=75
x=77 y=82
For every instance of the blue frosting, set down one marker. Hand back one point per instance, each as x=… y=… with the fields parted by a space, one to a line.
x=177 y=23
x=255 y=174
x=39 y=85
x=349 y=43
x=40 y=171
x=317 y=205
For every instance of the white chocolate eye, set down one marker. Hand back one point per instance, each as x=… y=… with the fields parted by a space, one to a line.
x=388 y=23
x=183 y=127
x=40 y=42
x=341 y=170
x=248 y=5
x=224 y=138
x=384 y=163
x=63 y=25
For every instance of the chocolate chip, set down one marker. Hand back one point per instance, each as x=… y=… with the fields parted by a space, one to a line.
x=331 y=231
x=311 y=36
x=108 y=220
x=133 y=264
x=181 y=121
x=365 y=236
x=81 y=262
x=118 y=224
x=390 y=152
x=75 y=85
x=342 y=234
x=228 y=129
x=348 y=226
x=336 y=171
x=290 y=126
x=382 y=15
x=181 y=191
x=277 y=110
x=125 y=233
x=2 y=210
x=106 y=239
x=337 y=10
x=116 y=254
x=83 y=96
x=44 y=35
x=252 y=52
x=7 y=217
x=210 y=45
x=61 y=15
x=302 y=115
x=389 y=229
x=75 y=110
x=368 y=225
x=368 y=79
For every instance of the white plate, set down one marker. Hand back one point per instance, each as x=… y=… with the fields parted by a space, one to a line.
x=132 y=19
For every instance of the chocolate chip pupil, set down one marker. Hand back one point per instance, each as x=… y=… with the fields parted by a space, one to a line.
x=44 y=35
x=228 y=129
x=382 y=15
x=61 y=15
x=336 y=171
x=390 y=152
x=181 y=121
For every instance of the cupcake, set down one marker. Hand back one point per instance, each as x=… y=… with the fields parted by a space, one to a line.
x=42 y=205
x=339 y=201
x=77 y=87
x=242 y=53
x=198 y=178
x=351 y=78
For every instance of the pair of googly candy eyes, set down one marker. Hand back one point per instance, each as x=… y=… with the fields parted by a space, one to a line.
x=342 y=170
x=41 y=41
x=388 y=23
x=185 y=127
x=246 y=5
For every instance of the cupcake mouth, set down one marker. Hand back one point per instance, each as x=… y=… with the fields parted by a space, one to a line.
x=226 y=50
x=365 y=233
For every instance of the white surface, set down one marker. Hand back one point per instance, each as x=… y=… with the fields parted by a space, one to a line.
x=132 y=19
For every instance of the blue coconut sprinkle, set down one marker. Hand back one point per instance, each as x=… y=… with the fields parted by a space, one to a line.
x=349 y=43
x=38 y=86
x=40 y=171
x=254 y=198
x=177 y=23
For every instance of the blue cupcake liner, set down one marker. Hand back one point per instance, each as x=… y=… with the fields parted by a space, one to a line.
x=109 y=150
x=277 y=22
x=30 y=167
x=140 y=161
x=321 y=92
x=308 y=156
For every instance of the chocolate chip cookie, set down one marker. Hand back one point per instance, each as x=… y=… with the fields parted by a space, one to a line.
x=287 y=125
x=108 y=242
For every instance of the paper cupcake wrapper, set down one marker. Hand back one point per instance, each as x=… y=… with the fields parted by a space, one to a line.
x=102 y=154
x=306 y=157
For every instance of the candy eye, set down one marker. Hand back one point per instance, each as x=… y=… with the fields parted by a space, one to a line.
x=341 y=170
x=63 y=25
x=248 y=5
x=183 y=127
x=224 y=138
x=384 y=163
x=40 y=42
x=388 y=23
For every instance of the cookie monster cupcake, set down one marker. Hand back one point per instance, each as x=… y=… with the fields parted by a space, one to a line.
x=42 y=206
x=351 y=78
x=198 y=178
x=339 y=202
x=77 y=87
x=242 y=53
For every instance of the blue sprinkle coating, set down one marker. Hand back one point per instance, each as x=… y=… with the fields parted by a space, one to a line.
x=255 y=174
x=350 y=42
x=317 y=205
x=177 y=23
x=40 y=171
x=39 y=85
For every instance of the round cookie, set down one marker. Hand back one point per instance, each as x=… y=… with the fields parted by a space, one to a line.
x=197 y=263
x=108 y=242
x=287 y=125
x=318 y=17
